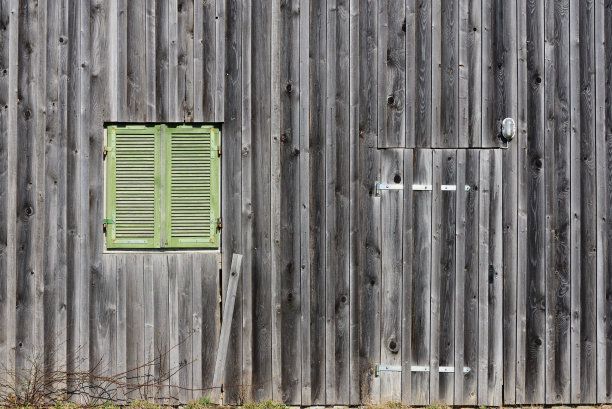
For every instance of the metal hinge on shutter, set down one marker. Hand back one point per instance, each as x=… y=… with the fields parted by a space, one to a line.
x=107 y=222
x=219 y=224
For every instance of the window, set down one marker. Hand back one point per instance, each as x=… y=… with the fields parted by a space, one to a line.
x=162 y=186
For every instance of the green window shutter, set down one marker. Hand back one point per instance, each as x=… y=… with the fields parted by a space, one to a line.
x=192 y=187
x=133 y=187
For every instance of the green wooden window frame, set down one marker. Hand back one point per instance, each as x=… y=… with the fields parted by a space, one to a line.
x=162 y=186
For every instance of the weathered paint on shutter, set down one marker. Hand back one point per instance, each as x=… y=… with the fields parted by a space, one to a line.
x=192 y=186
x=133 y=179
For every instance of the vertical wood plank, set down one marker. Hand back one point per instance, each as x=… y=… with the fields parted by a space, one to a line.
x=421 y=274
x=174 y=266
x=162 y=63
x=354 y=384
x=51 y=172
x=148 y=341
x=106 y=324
x=443 y=275
x=122 y=49
x=246 y=216
x=304 y=201
x=444 y=72
x=134 y=325
x=136 y=70
x=275 y=201
x=150 y=59
x=521 y=289
x=185 y=59
x=469 y=81
x=536 y=223
x=232 y=179
x=219 y=59
x=603 y=390
x=391 y=74
x=102 y=289
x=369 y=206
x=161 y=323
x=317 y=176
x=423 y=84
x=5 y=175
x=604 y=144
x=28 y=222
x=207 y=266
x=407 y=277
x=206 y=61
x=175 y=101
x=184 y=274
x=259 y=252
x=123 y=263
x=391 y=212
x=409 y=27
x=583 y=302
x=557 y=173
x=507 y=107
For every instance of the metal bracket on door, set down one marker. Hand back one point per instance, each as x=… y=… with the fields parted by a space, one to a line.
x=388 y=186
x=396 y=186
x=417 y=368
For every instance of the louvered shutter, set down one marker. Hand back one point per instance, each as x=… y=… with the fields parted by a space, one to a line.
x=133 y=187
x=192 y=186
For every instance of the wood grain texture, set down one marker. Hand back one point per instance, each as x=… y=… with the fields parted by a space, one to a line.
x=337 y=169
x=444 y=74
x=557 y=158
x=423 y=77
x=422 y=203
x=391 y=74
x=469 y=73
x=231 y=174
x=391 y=222
x=316 y=202
x=369 y=206
x=407 y=276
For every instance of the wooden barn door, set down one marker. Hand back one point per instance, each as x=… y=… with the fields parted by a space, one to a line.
x=441 y=251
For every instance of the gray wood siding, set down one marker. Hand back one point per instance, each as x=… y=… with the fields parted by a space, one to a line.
x=318 y=100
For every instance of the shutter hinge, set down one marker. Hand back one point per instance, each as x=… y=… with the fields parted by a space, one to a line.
x=107 y=222
x=105 y=151
x=219 y=224
x=219 y=151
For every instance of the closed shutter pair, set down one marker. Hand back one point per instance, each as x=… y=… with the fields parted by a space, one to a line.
x=162 y=186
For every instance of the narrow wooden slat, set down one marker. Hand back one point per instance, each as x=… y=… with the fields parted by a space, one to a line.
x=211 y=317
x=410 y=72
x=51 y=171
x=521 y=129
x=185 y=60
x=604 y=283
x=557 y=173
x=148 y=341
x=228 y=312
x=219 y=52
x=507 y=107
x=206 y=59
x=422 y=203
x=246 y=219
x=536 y=224
x=423 y=59
x=443 y=275
x=391 y=213
x=136 y=62
x=232 y=179
x=337 y=169
x=175 y=100
x=304 y=201
x=102 y=272
x=354 y=382
x=186 y=362
x=150 y=59
x=259 y=250
x=469 y=83
x=436 y=251
x=407 y=276
x=603 y=389
x=28 y=222
x=162 y=90
x=134 y=325
x=444 y=72
x=275 y=202
x=289 y=268
x=122 y=49
x=317 y=175
x=123 y=262
x=175 y=264
x=369 y=274
x=161 y=322
x=392 y=74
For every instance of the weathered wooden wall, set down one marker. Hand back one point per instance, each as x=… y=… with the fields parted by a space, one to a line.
x=318 y=100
